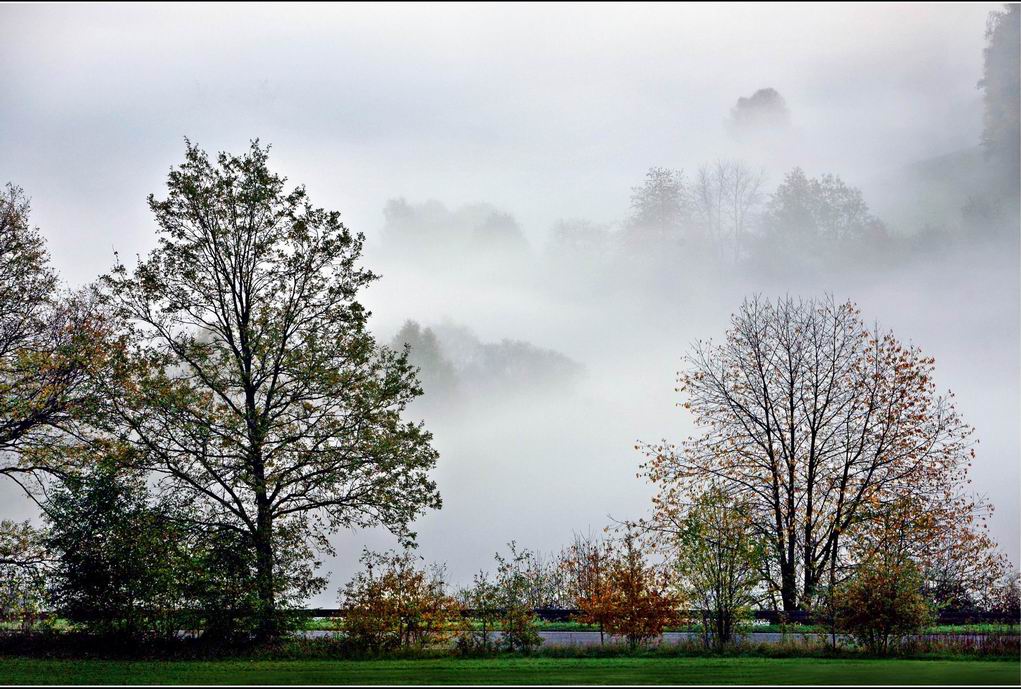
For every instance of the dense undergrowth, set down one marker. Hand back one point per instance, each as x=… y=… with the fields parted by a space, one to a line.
x=83 y=646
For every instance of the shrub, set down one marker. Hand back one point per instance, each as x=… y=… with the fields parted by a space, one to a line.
x=1005 y=596
x=586 y=563
x=514 y=587
x=481 y=601
x=118 y=558
x=718 y=557
x=882 y=604
x=636 y=602
x=221 y=583
x=506 y=600
x=397 y=604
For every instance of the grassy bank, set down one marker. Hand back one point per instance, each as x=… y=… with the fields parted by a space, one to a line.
x=514 y=670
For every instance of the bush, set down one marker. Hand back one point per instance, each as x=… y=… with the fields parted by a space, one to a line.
x=586 y=563
x=514 y=589
x=1005 y=596
x=882 y=604
x=396 y=604
x=640 y=604
x=481 y=601
x=506 y=601
x=119 y=559
x=718 y=559
x=221 y=583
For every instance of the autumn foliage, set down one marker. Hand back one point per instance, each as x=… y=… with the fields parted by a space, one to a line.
x=624 y=594
x=55 y=348
x=884 y=601
x=810 y=417
x=587 y=563
x=396 y=603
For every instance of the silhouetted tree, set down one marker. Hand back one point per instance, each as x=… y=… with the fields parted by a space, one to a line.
x=816 y=220
x=1001 y=84
x=763 y=112
x=726 y=196
x=807 y=417
x=660 y=208
x=255 y=389
x=436 y=372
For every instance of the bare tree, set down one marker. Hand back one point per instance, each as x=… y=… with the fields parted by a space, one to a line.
x=807 y=416
x=726 y=195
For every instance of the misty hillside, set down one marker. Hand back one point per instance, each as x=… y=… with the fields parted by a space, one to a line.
x=931 y=193
x=456 y=366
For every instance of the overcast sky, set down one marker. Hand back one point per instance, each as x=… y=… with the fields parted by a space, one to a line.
x=549 y=111
x=544 y=111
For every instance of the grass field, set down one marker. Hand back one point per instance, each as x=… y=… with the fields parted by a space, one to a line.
x=513 y=671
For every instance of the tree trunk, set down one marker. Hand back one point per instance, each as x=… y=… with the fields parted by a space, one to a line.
x=788 y=586
x=268 y=627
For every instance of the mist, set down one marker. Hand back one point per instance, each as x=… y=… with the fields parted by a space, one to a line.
x=491 y=156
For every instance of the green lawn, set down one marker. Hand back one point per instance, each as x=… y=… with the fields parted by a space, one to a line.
x=513 y=671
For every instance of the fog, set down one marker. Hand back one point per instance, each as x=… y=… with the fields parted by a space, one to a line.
x=489 y=154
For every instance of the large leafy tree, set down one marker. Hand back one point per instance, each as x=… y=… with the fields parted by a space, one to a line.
x=808 y=417
x=52 y=344
x=254 y=387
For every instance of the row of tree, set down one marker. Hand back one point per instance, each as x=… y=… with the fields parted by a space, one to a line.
x=710 y=580
x=723 y=210
x=116 y=561
x=723 y=213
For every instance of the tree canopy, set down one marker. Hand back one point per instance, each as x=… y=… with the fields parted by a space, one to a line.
x=808 y=417
x=253 y=386
x=53 y=347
